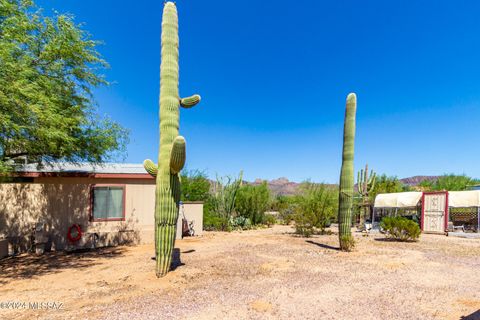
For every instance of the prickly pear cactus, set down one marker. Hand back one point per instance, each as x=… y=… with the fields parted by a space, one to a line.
x=171 y=157
x=346 y=177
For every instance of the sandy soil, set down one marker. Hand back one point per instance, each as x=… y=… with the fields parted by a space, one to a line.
x=260 y=274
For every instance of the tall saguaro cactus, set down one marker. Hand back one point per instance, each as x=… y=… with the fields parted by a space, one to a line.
x=346 y=176
x=171 y=157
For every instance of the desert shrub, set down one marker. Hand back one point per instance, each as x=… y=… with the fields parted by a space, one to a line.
x=269 y=220
x=304 y=223
x=212 y=222
x=400 y=228
x=316 y=207
x=223 y=197
x=286 y=206
x=240 y=223
x=252 y=202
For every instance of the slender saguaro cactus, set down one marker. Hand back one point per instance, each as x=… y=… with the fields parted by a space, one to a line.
x=365 y=181
x=365 y=185
x=171 y=157
x=346 y=176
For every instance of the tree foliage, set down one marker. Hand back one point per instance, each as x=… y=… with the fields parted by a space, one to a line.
x=48 y=68
x=252 y=202
x=195 y=186
x=449 y=182
x=317 y=206
x=386 y=184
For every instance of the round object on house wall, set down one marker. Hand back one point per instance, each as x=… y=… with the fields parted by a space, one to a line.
x=74 y=233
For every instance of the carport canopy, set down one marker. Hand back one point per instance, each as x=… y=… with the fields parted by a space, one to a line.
x=463 y=199
x=397 y=200
x=456 y=199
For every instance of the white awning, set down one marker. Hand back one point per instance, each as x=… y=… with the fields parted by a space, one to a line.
x=397 y=200
x=459 y=199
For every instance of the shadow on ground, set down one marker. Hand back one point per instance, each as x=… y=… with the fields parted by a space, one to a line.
x=28 y=266
x=176 y=261
x=473 y=316
x=392 y=240
x=321 y=245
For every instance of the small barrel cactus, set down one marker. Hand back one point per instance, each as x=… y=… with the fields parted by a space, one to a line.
x=347 y=181
x=171 y=158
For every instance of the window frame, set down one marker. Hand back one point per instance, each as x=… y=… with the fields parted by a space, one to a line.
x=92 y=199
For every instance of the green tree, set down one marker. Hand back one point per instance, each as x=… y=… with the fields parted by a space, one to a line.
x=195 y=186
x=449 y=182
x=252 y=202
x=48 y=68
x=386 y=184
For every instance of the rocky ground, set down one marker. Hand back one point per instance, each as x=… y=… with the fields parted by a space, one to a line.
x=259 y=274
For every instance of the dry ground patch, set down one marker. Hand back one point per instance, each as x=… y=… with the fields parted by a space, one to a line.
x=259 y=274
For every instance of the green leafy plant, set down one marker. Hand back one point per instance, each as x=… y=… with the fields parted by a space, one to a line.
x=49 y=69
x=345 y=205
x=195 y=186
x=304 y=223
x=240 y=223
x=224 y=194
x=269 y=220
x=172 y=154
x=252 y=202
x=400 y=228
x=387 y=184
x=286 y=206
x=316 y=206
x=449 y=182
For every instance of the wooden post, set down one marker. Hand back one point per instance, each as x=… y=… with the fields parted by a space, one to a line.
x=478 y=219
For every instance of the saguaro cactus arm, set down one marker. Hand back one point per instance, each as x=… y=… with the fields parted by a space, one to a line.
x=178 y=155
x=371 y=183
x=191 y=101
x=150 y=167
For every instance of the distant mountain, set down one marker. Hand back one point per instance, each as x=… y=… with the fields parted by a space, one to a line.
x=416 y=180
x=285 y=187
x=281 y=186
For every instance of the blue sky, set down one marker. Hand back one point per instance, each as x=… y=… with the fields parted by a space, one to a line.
x=274 y=75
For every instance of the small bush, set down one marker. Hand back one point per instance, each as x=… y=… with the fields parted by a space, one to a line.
x=213 y=222
x=240 y=223
x=252 y=202
x=400 y=229
x=269 y=220
x=304 y=224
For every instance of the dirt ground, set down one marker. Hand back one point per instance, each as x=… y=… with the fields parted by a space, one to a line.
x=259 y=274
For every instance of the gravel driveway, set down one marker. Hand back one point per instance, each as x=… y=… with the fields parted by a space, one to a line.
x=258 y=274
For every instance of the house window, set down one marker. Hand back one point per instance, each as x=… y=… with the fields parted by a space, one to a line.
x=108 y=203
